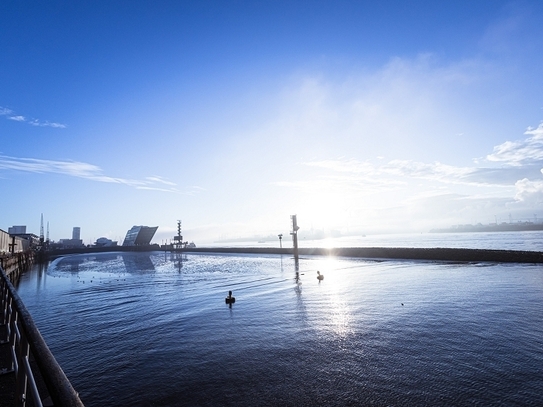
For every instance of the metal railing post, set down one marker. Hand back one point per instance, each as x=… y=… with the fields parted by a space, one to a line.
x=20 y=373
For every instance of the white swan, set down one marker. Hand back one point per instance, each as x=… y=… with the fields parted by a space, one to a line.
x=320 y=276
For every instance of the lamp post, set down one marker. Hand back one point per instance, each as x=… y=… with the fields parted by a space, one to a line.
x=294 y=234
x=280 y=243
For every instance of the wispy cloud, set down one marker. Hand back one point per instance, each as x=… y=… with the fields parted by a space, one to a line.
x=408 y=169
x=11 y=115
x=521 y=152
x=90 y=172
x=159 y=180
x=37 y=123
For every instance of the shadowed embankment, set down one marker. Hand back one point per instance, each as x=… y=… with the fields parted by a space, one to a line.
x=399 y=253
x=432 y=254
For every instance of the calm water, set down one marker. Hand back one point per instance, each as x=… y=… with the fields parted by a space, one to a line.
x=142 y=329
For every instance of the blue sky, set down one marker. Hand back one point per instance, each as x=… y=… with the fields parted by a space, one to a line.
x=232 y=116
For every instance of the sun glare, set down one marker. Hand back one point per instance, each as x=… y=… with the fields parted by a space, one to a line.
x=324 y=209
x=337 y=317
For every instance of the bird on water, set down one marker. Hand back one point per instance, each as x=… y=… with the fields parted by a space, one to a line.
x=230 y=299
x=320 y=276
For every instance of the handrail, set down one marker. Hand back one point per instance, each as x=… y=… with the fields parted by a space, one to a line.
x=25 y=338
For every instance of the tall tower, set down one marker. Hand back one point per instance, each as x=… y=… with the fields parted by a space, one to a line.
x=76 y=233
x=41 y=230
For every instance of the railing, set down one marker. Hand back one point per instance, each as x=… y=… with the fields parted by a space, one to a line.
x=25 y=341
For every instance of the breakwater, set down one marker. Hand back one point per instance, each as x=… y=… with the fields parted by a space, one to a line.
x=398 y=253
x=385 y=253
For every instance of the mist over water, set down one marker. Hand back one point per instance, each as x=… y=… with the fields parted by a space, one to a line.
x=144 y=329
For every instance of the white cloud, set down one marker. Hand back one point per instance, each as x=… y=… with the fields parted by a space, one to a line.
x=34 y=122
x=431 y=171
x=529 y=191
x=404 y=169
x=159 y=180
x=37 y=123
x=520 y=152
x=82 y=170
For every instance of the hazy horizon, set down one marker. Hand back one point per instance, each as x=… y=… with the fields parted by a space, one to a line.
x=357 y=117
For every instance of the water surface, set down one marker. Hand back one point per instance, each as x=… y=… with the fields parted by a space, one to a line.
x=138 y=329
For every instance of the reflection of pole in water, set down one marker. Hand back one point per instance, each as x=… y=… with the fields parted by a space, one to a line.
x=178 y=261
x=42 y=267
x=298 y=291
x=294 y=234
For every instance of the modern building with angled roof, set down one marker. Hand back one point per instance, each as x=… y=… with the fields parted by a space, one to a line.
x=139 y=236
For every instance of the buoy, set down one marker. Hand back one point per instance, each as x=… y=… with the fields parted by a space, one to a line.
x=320 y=276
x=230 y=299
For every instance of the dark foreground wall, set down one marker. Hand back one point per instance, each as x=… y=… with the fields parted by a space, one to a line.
x=435 y=254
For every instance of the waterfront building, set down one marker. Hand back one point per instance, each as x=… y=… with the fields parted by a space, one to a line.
x=70 y=243
x=105 y=242
x=139 y=236
x=11 y=243
x=25 y=240
x=74 y=242
x=17 y=230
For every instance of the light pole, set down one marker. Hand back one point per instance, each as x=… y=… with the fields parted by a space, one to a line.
x=294 y=234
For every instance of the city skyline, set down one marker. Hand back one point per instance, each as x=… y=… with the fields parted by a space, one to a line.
x=357 y=117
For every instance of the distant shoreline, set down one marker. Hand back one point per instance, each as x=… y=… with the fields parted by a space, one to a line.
x=377 y=253
x=503 y=227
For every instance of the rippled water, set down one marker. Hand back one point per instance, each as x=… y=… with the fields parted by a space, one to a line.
x=138 y=329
